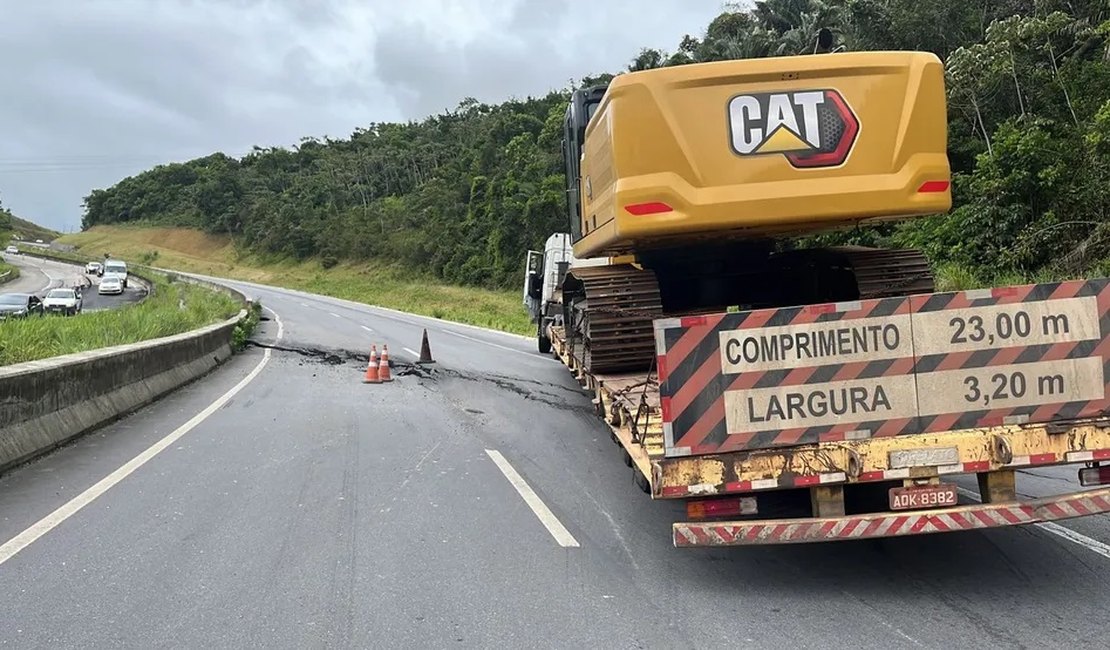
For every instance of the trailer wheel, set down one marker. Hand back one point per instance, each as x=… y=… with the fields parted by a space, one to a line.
x=626 y=457
x=543 y=343
x=641 y=481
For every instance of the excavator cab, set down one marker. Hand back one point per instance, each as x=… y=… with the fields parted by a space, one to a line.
x=583 y=105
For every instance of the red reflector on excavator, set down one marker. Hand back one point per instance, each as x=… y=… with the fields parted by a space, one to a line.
x=933 y=186
x=651 y=207
x=1094 y=475
x=724 y=507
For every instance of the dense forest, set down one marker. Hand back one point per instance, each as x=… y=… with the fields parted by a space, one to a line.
x=463 y=194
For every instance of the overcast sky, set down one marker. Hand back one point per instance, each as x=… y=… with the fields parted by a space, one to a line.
x=92 y=91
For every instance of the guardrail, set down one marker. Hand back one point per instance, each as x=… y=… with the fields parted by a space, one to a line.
x=45 y=403
x=5 y=276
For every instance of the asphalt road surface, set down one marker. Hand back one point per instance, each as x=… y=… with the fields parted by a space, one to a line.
x=306 y=509
x=38 y=276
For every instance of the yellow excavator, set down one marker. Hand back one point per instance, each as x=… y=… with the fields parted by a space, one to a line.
x=688 y=185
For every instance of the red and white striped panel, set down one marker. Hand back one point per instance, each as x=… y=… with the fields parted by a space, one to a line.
x=891 y=524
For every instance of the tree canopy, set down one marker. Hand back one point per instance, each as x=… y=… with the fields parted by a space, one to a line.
x=461 y=195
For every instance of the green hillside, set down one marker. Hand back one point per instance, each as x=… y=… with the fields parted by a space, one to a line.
x=31 y=231
x=458 y=197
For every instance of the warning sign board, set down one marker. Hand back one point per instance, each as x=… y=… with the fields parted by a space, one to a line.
x=1035 y=353
x=936 y=362
x=789 y=376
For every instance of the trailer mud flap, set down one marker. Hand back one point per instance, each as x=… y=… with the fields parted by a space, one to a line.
x=891 y=524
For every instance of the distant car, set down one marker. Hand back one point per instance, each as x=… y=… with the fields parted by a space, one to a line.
x=38 y=241
x=19 y=305
x=62 y=301
x=11 y=250
x=110 y=284
x=93 y=267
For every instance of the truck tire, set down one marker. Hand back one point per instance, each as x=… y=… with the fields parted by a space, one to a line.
x=542 y=342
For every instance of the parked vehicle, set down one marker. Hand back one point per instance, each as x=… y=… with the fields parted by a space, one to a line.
x=94 y=268
x=110 y=284
x=63 y=301
x=19 y=305
x=11 y=250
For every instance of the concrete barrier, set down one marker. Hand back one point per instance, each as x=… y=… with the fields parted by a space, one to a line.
x=46 y=403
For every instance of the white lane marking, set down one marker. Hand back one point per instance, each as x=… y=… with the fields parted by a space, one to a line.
x=1062 y=532
x=496 y=345
x=366 y=328
x=412 y=352
x=304 y=304
x=74 y=505
x=547 y=518
x=334 y=314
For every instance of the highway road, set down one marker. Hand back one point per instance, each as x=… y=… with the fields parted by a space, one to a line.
x=280 y=502
x=37 y=276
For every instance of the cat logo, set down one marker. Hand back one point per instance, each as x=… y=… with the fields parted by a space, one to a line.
x=812 y=128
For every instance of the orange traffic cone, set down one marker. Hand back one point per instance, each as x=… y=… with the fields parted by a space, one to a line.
x=373 y=375
x=383 y=367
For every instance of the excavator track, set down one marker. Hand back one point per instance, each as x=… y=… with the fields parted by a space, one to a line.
x=612 y=316
x=611 y=308
x=888 y=273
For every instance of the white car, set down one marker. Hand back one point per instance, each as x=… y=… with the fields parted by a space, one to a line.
x=11 y=250
x=110 y=284
x=116 y=268
x=93 y=267
x=62 y=301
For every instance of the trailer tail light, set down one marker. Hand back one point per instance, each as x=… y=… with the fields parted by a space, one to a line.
x=1099 y=475
x=722 y=507
x=929 y=187
x=651 y=207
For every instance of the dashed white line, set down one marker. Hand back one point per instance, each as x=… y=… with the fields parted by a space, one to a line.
x=366 y=328
x=304 y=304
x=412 y=352
x=547 y=518
x=74 y=505
x=334 y=314
x=1062 y=532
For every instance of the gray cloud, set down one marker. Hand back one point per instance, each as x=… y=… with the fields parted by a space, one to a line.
x=94 y=91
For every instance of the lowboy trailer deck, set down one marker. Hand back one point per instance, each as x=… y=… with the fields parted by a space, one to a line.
x=867 y=474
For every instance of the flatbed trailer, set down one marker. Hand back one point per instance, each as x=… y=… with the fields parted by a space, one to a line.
x=726 y=493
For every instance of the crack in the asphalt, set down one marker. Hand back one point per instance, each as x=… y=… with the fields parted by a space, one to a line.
x=339 y=357
x=331 y=357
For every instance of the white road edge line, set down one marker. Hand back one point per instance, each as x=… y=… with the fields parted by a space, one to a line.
x=547 y=518
x=412 y=352
x=1062 y=532
x=74 y=505
x=496 y=345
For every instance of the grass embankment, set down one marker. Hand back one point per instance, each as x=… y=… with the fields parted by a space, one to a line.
x=172 y=308
x=6 y=277
x=956 y=277
x=374 y=284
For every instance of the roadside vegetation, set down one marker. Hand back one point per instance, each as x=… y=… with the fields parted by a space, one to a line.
x=172 y=307
x=7 y=273
x=373 y=282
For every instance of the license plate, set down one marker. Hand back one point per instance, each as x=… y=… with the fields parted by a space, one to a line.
x=923 y=496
